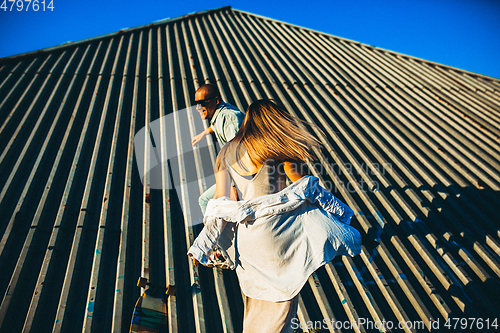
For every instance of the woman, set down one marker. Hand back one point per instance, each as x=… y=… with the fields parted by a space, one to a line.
x=277 y=235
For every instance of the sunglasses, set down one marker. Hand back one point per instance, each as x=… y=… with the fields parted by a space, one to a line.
x=203 y=102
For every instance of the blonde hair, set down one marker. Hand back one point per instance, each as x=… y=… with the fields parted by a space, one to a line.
x=269 y=132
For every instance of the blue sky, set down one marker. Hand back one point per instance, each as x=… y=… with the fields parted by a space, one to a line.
x=458 y=33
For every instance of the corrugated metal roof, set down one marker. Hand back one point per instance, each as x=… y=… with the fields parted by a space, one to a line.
x=412 y=146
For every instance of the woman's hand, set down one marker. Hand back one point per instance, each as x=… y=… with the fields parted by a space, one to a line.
x=195 y=262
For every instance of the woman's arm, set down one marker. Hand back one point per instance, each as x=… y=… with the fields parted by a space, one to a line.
x=222 y=189
x=223 y=184
x=293 y=170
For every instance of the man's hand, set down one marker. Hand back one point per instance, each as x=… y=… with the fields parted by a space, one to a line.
x=197 y=138
x=200 y=136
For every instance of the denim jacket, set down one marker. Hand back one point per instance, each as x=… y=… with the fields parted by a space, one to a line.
x=277 y=240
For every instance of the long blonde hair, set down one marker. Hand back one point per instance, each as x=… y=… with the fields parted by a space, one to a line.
x=269 y=132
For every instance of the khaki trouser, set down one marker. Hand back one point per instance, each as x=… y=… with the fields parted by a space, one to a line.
x=269 y=317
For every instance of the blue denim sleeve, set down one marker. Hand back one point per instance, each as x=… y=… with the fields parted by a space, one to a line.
x=331 y=204
x=206 y=240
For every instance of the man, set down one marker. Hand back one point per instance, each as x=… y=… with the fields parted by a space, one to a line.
x=225 y=120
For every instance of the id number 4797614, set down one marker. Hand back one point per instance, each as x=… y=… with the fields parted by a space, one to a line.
x=27 y=5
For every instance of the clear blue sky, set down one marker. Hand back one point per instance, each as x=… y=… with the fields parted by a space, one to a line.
x=458 y=33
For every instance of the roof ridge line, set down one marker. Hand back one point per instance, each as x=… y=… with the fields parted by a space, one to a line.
x=116 y=33
x=371 y=46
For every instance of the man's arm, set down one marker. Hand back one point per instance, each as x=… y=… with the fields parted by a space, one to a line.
x=200 y=136
x=230 y=130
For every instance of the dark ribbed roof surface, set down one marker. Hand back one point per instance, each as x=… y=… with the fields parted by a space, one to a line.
x=411 y=146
